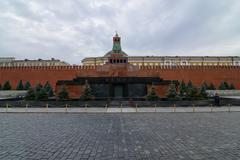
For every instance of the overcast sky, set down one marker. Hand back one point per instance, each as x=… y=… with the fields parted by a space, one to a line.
x=73 y=29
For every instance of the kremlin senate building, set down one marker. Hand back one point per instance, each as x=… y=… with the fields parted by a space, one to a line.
x=116 y=74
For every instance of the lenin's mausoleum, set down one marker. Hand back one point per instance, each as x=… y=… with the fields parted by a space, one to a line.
x=118 y=75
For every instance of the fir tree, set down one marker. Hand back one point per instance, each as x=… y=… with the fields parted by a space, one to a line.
x=87 y=93
x=63 y=94
x=7 y=86
x=182 y=89
x=42 y=94
x=189 y=88
x=189 y=85
x=226 y=85
x=172 y=93
x=27 y=85
x=232 y=87
x=47 y=86
x=193 y=92
x=222 y=86
x=212 y=87
x=20 y=85
x=203 y=93
x=30 y=94
x=49 y=89
x=206 y=85
x=38 y=88
x=152 y=95
x=50 y=93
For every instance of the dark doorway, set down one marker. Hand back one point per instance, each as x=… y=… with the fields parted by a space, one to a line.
x=118 y=91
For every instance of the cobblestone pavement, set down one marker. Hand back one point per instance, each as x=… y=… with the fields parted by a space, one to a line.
x=110 y=136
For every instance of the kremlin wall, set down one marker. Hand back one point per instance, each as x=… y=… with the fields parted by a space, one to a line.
x=197 y=74
x=117 y=65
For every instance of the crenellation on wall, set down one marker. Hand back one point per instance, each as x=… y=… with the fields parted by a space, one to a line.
x=48 y=67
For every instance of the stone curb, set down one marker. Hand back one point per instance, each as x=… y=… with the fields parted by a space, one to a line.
x=122 y=110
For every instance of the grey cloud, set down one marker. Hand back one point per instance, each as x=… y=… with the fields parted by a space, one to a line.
x=73 y=29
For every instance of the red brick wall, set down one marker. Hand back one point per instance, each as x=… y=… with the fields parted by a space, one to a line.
x=199 y=74
x=41 y=74
x=196 y=74
x=162 y=90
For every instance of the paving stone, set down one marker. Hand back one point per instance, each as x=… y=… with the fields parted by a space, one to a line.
x=120 y=136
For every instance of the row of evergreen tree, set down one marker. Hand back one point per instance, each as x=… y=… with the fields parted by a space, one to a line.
x=44 y=92
x=40 y=92
x=189 y=90
x=87 y=93
x=223 y=86
x=20 y=86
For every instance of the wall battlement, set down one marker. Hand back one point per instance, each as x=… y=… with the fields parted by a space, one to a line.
x=80 y=67
x=48 y=67
x=189 y=67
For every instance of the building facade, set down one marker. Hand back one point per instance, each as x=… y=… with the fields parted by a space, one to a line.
x=170 y=61
x=166 y=60
x=12 y=62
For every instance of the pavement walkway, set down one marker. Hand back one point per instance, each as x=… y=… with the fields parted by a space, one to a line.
x=122 y=110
